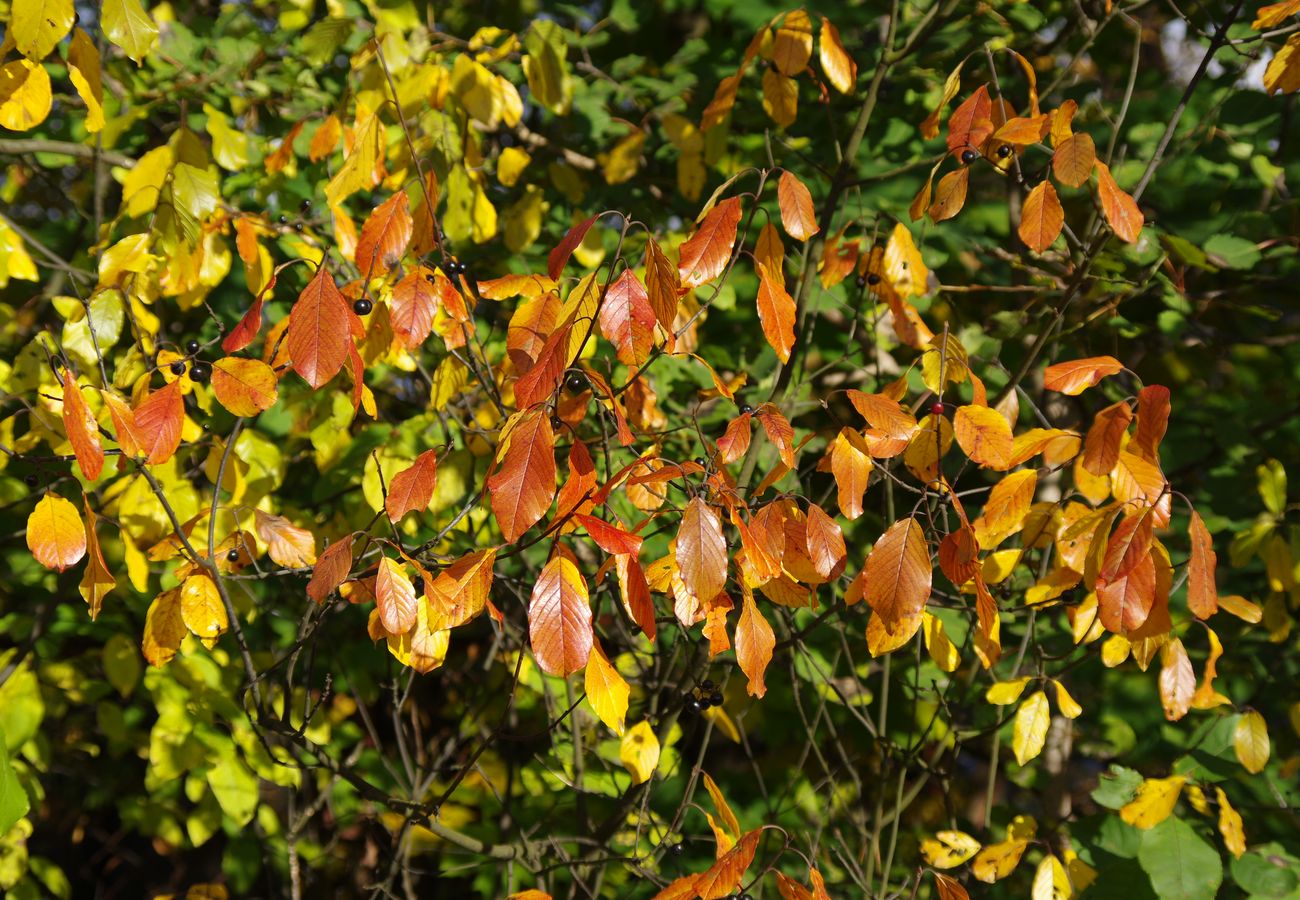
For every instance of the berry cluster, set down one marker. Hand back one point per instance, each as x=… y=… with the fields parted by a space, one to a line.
x=701 y=698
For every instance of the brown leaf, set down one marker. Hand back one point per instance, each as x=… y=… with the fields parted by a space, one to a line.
x=851 y=466
x=898 y=574
x=959 y=555
x=1129 y=544
x=702 y=551
x=331 y=569
x=83 y=431
x=318 y=336
x=1041 y=218
x=706 y=253
x=412 y=488
x=543 y=378
x=559 y=618
x=522 y=488
x=797 y=214
x=461 y=590
x=1120 y=209
x=384 y=237
x=778 y=431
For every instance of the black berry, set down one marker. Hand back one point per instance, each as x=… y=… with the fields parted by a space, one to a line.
x=692 y=706
x=701 y=462
x=715 y=699
x=1004 y=151
x=677 y=849
x=418 y=584
x=363 y=306
x=873 y=279
x=178 y=368
x=454 y=267
x=232 y=555
x=200 y=371
x=30 y=479
x=706 y=685
x=744 y=896
x=862 y=281
x=306 y=205
x=192 y=346
x=969 y=156
x=936 y=409
x=297 y=226
x=576 y=383
x=556 y=423
x=745 y=408
x=283 y=219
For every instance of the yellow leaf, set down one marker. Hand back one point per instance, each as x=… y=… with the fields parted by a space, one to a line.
x=1050 y=881
x=1234 y=835
x=358 y=170
x=1030 y=731
x=1154 y=802
x=201 y=608
x=724 y=810
x=142 y=184
x=945 y=362
x=511 y=164
x=948 y=849
x=97 y=580
x=1004 y=693
x=621 y=162
x=55 y=533
x=163 y=628
x=1065 y=703
x=25 y=98
x=780 y=98
x=1114 y=650
x=997 y=861
x=639 y=751
x=36 y=26
x=607 y=692
x=127 y=24
x=1250 y=740
x=941 y=649
x=83 y=69
x=1283 y=73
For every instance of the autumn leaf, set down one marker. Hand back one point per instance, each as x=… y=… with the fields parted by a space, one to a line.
x=1119 y=208
x=1154 y=802
x=1202 y=591
x=97 y=580
x=287 y=544
x=840 y=69
x=607 y=692
x=795 y=201
x=559 y=257
x=245 y=387
x=559 y=618
x=331 y=569
x=628 y=320
x=82 y=429
x=735 y=440
x=1077 y=375
x=971 y=122
x=384 y=237
x=394 y=597
x=164 y=629
x=1041 y=218
x=825 y=542
x=754 y=643
x=1250 y=740
x=523 y=486
x=414 y=303
x=1073 y=159
x=318 y=336
x=983 y=435
x=412 y=488
x=201 y=608
x=725 y=875
x=55 y=533
x=949 y=888
x=639 y=752
x=158 y=421
x=1029 y=732
x=949 y=195
x=776 y=313
x=706 y=253
x=1125 y=603
x=702 y=551
x=1177 y=680
x=1101 y=446
x=898 y=573
x=948 y=849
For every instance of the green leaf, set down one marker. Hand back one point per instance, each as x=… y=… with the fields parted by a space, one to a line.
x=1267 y=871
x=1232 y=252
x=127 y=24
x=122 y=663
x=1117 y=787
x=13 y=799
x=1272 y=486
x=235 y=788
x=1182 y=865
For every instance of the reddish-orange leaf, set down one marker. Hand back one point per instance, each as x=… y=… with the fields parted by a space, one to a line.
x=1202 y=592
x=544 y=376
x=1101 y=446
x=1077 y=375
x=971 y=123
x=246 y=387
x=394 y=597
x=791 y=889
x=775 y=312
x=318 y=335
x=414 y=302
x=1120 y=209
x=1128 y=546
x=797 y=214
x=97 y=580
x=1073 y=159
x=287 y=544
x=663 y=285
x=412 y=488
x=841 y=71
x=559 y=257
x=1125 y=603
x=325 y=139
x=778 y=431
x=636 y=593
x=681 y=888
x=706 y=253
x=384 y=237
x=735 y=441
x=55 y=533
x=725 y=875
x=754 y=642
x=247 y=328
x=983 y=435
x=959 y=555
x=578 y=488
x=702 y=551
x=950 y=194
x=532 y=323
x=1041 y=218
x=424 y=239
x=83 y=431
x=897 y=575
x=949 y=888
x=522 y=488
x=128 y=436
x=1152 y=421
x=825 y=542
x=158 y=422
x=559 y=618
x=275 y=162
x=331 y=569
x=461 y=590
x=628 y=320
x=610 y=538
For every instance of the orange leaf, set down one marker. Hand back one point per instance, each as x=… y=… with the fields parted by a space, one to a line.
x=394 y=597
x=885 y=415
x=1202 y=592
x=325 y=139
x=1073 y=159
x=55 y=533
x=246 y=387
x=250 y=324
x=580 y=485
x=897 y=575
x=544 y=376
x=331 y=569
x=754 y=643
x=158 y=422
x=702 y=551
x=959 y=555
x=635 y=592
x=841 y=71
x=1120 y=209
x=1129 y=544
x=558 y=258
x=318 y=336
x=950 y=195
x=460 y=592
x=971 y=122
x=83 y=431
x=523 y=486
x=532 y=323
x=559 y=618
x=1006 y=508
x=1021 y=130
x=778 y=431
x=1101 y=445
x=287 y=544
x=983 y=435
x=825 y=542
x=1152 y=421
x=628 y=320
x=128 y=436
x=775 y=313
x=1177 y=680
x=797 y=214
x=1041 y=218
x=706 y=253
x=949 y=888
x=97 y=580
x=384 y=237
x=791 y=889
x=414 y=303
x=724 y=98
x=663 y=285
x=412 y=488
x=733 y=444
x=1077 y=375
x=610 y=538
x=792 y=45
x=851 y=466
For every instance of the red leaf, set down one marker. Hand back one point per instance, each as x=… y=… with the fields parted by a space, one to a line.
x=412 y=488
x=628 y=320
x=542 y=380
x=1202 y=592
x=414 y=303
x=158 y=421
x=972 y=122
x=897 y=575
x=522 y=488
x=580 y=485
x=331 y=570
x=610 y=538
x=559 y=257
x=384 y=237
x=243 y=333
x=724 y=876
x=318 y=337
x=776 y=311
x=797 y=214
x=702 y=551
x=1128 y=546
x=636 y=593
x=83 y=431
x=559 y=618
x=707 y=252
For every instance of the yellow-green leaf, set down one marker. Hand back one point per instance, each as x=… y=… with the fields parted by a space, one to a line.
x=36 y=26
x=1030 y=731
x=127 y=24
x=948 y=848
x=1154 y=802
x=1250 y=740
